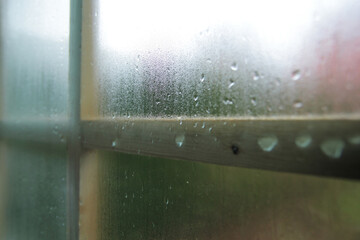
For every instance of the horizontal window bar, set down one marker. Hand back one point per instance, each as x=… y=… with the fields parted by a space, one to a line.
x=310 y=145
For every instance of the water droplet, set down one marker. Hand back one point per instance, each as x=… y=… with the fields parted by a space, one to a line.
x=204 y=124
x=202 y=78
x=298 y=104
x=228 y=101
x=195 y=125
x=355 y=140
x=303 y=141
x=210 y=128
x=180 y=140
x=196 y=98
x=268 y=143
x=333 y=147
x=256 y=75
x=234 y=66
x=232 y=83
x=253 y=101
x=114 y=143
x=296 y=75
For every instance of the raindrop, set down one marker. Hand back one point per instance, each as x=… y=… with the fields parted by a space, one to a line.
x=296 y=75
x=355 y=140
x=234 y=66
x=195 y=125
x=210 y=128
x=232 y=83
x=202 y=78
x=333 y=147
x=253 y=101
x=196 y=98
x=180 y=140
x=298 y=104
x=256 y=75
x=203 y=126
x=268 y=143
x=114 y=143
x=303 y=141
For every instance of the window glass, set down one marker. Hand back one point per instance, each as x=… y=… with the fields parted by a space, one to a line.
x=222 y=58
x=135 y=197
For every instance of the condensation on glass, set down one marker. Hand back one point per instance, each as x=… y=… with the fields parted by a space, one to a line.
x=34 y=54
x=176 y=79
x=178 y=60
x=222 y=58
x=134 y=197
x=32 y=191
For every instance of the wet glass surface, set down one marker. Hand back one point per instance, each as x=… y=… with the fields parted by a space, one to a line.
x=34 y=59
x=133 y=197
x=32 y=191
x=221 y=58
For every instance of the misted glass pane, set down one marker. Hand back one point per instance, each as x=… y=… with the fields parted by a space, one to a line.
x=221 y=58
x=32 y=191
x=34 y=56
x=34 y=59
x=134 y=197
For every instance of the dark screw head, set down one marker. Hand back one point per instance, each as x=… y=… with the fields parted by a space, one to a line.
x=235 y=149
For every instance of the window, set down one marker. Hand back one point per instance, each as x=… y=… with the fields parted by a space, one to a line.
x=179 y=120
